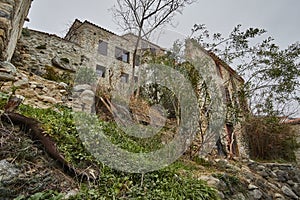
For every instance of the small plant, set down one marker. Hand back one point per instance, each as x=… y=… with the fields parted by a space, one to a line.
x=25 y=32
x=85 y=75
x=50 y=195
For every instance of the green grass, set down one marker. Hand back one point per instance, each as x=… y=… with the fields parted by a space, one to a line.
x=163 y=184
x=112 y=184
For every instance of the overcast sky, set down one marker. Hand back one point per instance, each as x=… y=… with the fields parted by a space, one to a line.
x=279 y=17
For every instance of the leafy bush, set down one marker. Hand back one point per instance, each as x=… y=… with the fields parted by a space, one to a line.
x=85 y=75
x=268 y=139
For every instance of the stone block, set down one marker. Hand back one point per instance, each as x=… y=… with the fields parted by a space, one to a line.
x=2 y=33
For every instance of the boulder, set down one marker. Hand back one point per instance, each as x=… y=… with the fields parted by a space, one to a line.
x=62 y=63
x=7 y=71
x=288 y=192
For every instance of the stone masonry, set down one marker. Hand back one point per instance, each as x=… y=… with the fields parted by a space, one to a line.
x=12 y=16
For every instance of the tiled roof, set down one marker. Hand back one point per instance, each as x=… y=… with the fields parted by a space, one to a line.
x=225 y=65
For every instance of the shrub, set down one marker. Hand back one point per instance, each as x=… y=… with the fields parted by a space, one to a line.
x=85 y=75
x=268 y=139
x=25 y=32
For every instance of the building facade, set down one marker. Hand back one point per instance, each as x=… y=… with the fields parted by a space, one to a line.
x=111 y=57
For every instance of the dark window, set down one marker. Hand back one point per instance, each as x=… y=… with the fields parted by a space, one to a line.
x=231 y=140
x=136 y=79
x=122 y=55
x=153 y=50
x=100 y=71
x=137 y=60
x=124 y=78
x=102 y=48
x=227 y=95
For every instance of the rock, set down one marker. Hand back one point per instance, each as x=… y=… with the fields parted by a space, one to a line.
x=63 y=91
x=278 y=196
x=22 y=82
x=221 y=195
x=263 y=174
x=45 y=90
x=296 y=188
x=7 y=171
x=261 y=167
x=87 y=97
x=252 y=187
x=70 y=194
x=47 y=99
x=62 y=63
x=291 y=183
x=256 y=194
x=7 y=71
x=81 y=88
x=288 y=192
x=63 y=85
x=4 y=14
x=239 y=196
x=281 y=175
x=212 y=181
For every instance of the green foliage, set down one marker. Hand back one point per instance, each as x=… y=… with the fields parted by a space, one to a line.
x=112 y=184
x=3 y=99
x=271 y=73
x=25 y=32
x=49 y=195
x=60 y=125
x=85 y=75
x=233 y=184
x=156 y=185
x=268 y=139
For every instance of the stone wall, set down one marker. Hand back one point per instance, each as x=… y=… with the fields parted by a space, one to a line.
x=12 y=17
x=88 y=35
x=37 y=50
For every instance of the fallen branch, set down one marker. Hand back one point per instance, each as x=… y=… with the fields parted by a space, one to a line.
x=32 y=126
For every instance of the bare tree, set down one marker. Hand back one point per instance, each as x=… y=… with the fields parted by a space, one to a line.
x=142 y=17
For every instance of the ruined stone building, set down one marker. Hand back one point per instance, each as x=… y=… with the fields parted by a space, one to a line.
x=12 y=16
x=85 y=45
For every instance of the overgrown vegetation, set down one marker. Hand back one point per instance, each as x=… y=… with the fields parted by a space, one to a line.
x=26 y=32
x=269 y=139
x=111 y=184
x=85 y=75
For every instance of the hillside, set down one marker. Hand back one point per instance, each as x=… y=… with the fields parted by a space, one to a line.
x=28 y=172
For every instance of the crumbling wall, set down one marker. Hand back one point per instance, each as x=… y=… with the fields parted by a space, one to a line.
x=37 y=50
x=12 y=16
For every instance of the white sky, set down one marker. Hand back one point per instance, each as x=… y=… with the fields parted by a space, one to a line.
x=281 y=18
